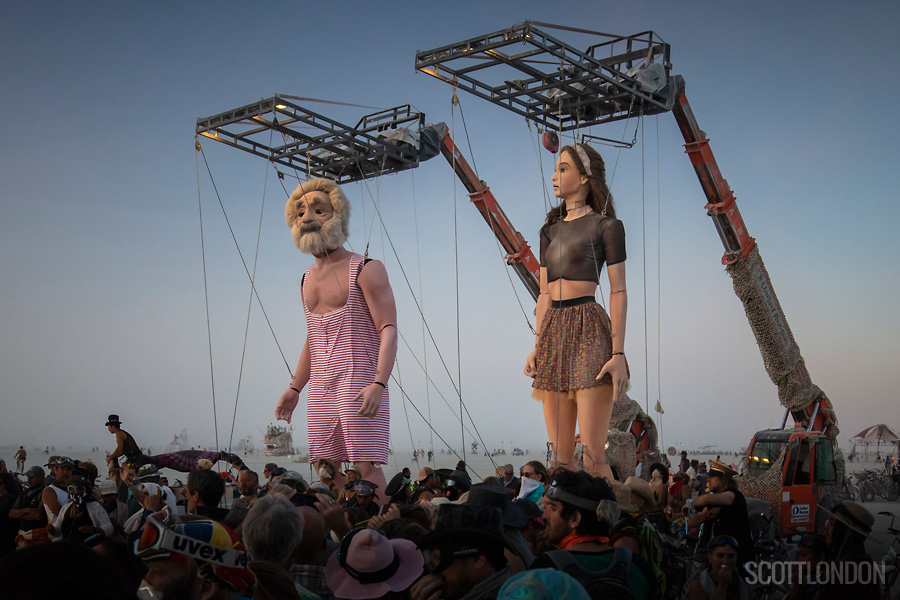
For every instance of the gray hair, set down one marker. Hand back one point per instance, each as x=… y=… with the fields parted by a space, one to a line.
x=272 y=530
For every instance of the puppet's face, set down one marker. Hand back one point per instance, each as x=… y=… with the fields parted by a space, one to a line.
x=567 y=181
x=317 y=229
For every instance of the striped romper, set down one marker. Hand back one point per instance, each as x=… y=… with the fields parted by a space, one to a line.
x=343 y=348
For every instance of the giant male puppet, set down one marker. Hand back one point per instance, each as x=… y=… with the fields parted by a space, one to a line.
x=351 y=338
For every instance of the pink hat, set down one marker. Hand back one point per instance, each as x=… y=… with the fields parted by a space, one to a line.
x=369 y=565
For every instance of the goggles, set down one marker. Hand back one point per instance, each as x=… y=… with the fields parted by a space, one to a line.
x=158 y=541
x=560 y=495
x=75 y=489
x=723 y=540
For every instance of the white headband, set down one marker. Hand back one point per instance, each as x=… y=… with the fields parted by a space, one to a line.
x=584 y=159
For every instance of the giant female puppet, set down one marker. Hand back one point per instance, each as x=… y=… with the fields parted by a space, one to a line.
x=578 y=362
x=351 y=336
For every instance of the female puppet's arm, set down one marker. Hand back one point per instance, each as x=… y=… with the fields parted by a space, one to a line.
x=289 y=399
x=543 y=303
x=373 y=281
x=618 y=309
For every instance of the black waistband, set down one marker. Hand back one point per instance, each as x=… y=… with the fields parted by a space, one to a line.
x=572 y=302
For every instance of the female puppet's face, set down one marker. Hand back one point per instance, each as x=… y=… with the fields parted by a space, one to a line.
x=567 y=181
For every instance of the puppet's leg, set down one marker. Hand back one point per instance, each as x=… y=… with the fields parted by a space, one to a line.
x=560 y=416
x=595 y=406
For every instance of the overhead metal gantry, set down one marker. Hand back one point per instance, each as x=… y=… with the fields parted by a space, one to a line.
x=318 y=146
x=553 y=83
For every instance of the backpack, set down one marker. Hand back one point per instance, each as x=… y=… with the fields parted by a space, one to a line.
x=674 y=567
x=610 y=583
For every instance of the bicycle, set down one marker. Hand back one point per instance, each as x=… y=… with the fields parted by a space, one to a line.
x=891 y=561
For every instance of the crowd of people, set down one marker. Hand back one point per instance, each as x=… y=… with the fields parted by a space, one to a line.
x=525 y=533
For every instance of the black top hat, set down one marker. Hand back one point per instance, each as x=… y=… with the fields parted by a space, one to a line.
x=488 y=494
x=113 y=420
x=465 y=524
x=459 y=479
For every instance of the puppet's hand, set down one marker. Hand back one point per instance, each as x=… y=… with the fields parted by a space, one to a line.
x=531 y=364
x=286 y=405
x=371 y=397
x=618 y=370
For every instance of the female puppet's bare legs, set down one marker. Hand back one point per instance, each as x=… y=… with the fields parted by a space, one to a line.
x=595 y=406
x=374 y=473
x=559 y=416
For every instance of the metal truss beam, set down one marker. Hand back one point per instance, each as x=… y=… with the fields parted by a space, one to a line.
x=295 y=137
x=559 y=86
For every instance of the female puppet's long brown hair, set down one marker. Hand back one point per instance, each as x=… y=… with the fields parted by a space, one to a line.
x=599 y=197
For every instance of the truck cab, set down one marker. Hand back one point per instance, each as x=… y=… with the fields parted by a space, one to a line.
x=808 y=463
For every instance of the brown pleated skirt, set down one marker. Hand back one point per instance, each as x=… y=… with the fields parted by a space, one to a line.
x=575 y=343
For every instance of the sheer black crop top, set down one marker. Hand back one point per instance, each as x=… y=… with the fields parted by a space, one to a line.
x=576 y=250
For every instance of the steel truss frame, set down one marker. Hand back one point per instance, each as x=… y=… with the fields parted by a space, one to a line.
x=563 y=88
x=314 y=144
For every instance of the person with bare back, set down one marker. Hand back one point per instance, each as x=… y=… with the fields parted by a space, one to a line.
x=351 y=343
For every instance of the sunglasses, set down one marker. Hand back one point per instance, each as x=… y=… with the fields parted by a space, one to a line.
x=158 y=541
x=723 y=540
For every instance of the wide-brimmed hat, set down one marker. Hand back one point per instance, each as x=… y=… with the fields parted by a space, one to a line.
x=424 y=472
x=369 y=565
x=642 y=489
x=465 y=523
x=355 y=469
x=113 y=420
x=852 y=514
x=717 y=467
x=489 y=494
x=107 y=487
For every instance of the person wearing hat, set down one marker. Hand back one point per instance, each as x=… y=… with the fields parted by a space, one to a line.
x=29 y=509
x=364 y=497
x=149 y=477
x=125 y=444
x=55 y=494
x=353 y=474
x=464 y=554
x=351 y=319
x=82 y=516
x=726 y=508
x=424 y=486
x=518 y=555
x=580 y=512
x=458 y=483
x=849 y=524
x=633 y=530
x=369 y=565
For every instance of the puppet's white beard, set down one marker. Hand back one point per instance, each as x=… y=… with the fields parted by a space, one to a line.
x=329 y=237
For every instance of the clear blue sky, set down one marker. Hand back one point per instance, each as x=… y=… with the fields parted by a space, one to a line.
x=102 y=284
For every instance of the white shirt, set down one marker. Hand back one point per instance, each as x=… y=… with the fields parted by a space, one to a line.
x=95 y=511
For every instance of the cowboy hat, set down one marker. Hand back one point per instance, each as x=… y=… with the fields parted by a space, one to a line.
x=852 y=514
x=487 y=494
x=642 y=489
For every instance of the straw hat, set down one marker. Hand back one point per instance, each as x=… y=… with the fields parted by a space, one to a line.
x=642 y=489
